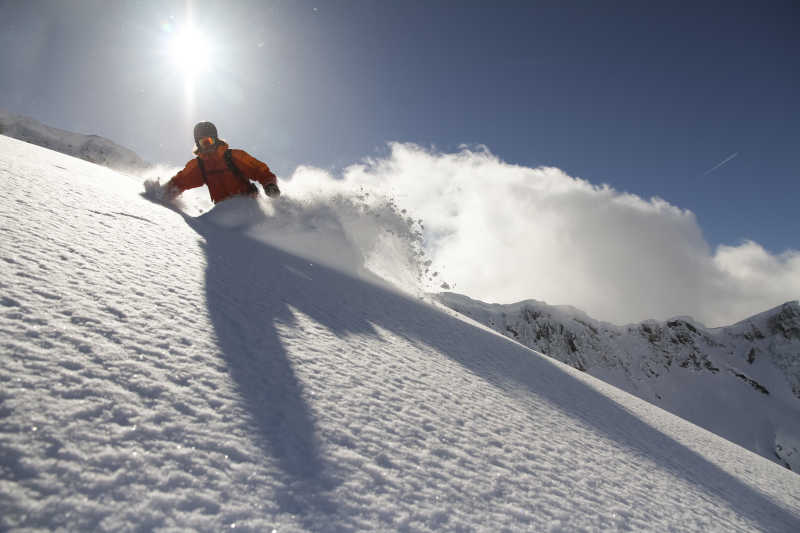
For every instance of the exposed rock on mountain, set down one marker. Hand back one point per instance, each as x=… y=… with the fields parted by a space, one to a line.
x=740 y=381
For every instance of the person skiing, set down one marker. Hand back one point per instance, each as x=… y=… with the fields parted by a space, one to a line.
x=227 y=172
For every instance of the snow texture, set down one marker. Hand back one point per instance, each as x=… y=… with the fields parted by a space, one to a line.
x=164 y=371
x=741 y=382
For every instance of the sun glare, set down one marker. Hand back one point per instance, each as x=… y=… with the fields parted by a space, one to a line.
x=191 y=55
x=189 y=51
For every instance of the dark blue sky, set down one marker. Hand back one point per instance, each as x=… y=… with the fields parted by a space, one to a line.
x=644 y=96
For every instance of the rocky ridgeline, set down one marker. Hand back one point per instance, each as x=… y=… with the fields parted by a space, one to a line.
x=647 y=349
x=774 y=335
x=677 y=364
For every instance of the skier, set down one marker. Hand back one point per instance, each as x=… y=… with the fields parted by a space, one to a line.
x=226 y=172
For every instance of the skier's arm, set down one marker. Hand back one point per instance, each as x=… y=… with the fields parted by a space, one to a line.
x=188 y=178
x=254 y=168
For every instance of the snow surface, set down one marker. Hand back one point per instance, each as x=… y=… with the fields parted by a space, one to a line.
x=165 y=371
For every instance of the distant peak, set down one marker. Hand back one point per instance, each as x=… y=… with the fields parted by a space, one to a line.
x=93 y=148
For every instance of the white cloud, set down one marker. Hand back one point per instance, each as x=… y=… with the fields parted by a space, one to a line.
x=504 y=233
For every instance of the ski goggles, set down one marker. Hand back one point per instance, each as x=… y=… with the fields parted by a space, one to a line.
x=205 y=142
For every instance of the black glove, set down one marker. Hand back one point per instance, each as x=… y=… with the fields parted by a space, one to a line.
x=272 y=190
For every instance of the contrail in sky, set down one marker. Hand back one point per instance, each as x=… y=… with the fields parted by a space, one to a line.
x=715 y=167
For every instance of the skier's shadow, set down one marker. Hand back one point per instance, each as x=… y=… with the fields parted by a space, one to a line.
x=240 y=289
x=249 y=282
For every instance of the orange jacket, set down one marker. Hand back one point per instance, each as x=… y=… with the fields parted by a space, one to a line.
x=222 y=182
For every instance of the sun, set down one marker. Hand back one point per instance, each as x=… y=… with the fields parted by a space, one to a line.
x=190 y=51
x=192 y=56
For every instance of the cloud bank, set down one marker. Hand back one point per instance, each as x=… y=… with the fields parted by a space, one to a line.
x=503 y=233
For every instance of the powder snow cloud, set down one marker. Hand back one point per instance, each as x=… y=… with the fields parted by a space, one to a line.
x=503 y=233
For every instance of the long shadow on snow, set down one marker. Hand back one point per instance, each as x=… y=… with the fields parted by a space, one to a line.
x=246 y=279
x=243 y=305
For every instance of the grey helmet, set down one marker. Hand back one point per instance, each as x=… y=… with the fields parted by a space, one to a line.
x=205 y=129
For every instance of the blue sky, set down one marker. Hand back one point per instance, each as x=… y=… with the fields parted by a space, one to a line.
x=645 y=96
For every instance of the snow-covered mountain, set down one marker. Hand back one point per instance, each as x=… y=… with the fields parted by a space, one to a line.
x=164 y=371
x=741 y=382
x=92 y=148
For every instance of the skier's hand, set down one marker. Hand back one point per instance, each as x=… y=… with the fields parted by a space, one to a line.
x=159 y=192
x=253 y=190
x=272 y=190
x=170 y=192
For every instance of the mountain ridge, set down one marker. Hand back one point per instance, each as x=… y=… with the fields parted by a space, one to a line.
x=91 y=148
x=659 y=360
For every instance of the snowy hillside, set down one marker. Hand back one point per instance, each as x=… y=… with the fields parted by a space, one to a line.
x=92 y=148
x=165 y=371
x=741 y=382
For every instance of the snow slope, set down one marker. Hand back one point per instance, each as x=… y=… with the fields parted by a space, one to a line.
x=163 y=371
x=92 y=148
x=741 y=382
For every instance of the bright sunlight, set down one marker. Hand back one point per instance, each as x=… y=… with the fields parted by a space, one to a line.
x=190 y=51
